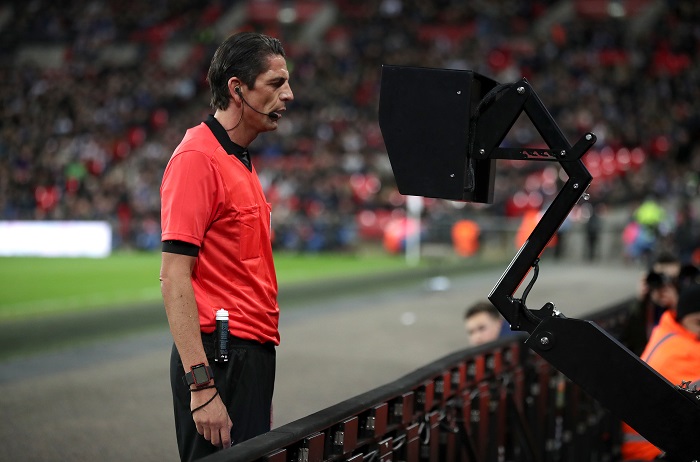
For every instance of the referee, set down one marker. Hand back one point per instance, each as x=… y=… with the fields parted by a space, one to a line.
x=217 y=253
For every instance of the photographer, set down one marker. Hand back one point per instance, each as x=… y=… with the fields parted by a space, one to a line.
x=657 y=292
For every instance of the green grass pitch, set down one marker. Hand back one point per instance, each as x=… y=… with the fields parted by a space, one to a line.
x=32 y=286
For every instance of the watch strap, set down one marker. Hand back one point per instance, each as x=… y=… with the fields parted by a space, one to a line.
x=189 y=377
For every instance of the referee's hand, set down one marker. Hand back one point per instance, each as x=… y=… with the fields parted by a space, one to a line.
x=212 y=421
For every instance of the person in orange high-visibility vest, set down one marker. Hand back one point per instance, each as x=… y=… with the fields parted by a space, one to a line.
x=465 y=238
x=530 y=219
x=673 y=351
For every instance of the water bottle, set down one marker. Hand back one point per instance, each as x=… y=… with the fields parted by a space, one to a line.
x=221 y=336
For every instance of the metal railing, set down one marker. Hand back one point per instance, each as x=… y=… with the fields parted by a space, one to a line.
x=496 y=402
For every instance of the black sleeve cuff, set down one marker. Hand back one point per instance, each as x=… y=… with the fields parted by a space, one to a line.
x=181 y=247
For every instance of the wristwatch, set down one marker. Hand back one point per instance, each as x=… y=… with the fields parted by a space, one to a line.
x=200 y=375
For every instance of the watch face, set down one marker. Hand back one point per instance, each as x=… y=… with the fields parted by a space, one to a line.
x=200 y=374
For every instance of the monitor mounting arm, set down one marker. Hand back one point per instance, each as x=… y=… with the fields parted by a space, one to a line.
x=665 y=414
x=443 y=129
x=490 y=124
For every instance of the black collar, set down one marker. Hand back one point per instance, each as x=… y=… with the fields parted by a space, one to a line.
x=229 y=146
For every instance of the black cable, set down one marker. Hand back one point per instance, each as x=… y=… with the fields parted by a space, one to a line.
x=535 y=265
x=528 y=314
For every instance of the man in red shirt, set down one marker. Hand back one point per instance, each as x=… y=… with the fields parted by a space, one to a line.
x=217 y=253
x=673 y=351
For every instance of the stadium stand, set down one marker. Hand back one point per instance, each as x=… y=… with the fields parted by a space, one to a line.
x=94 y=97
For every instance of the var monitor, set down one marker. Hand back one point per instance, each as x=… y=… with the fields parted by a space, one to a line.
x=424 y=117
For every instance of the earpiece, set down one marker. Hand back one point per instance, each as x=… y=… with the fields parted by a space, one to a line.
x=237 y=90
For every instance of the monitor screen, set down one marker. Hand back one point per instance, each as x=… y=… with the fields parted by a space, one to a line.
x=424 y=117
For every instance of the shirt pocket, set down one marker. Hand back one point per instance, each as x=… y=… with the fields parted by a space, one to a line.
x=249 y=220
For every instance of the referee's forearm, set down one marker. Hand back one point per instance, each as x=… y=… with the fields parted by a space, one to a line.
x=181 y=308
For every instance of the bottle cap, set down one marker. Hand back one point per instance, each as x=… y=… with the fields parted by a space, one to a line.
x=222 y=315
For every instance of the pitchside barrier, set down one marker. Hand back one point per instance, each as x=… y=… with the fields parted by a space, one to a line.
x=496 y=402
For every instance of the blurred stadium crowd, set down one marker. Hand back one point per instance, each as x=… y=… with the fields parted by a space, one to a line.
x=94 y=96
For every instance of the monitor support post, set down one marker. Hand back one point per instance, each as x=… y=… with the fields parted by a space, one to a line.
x=668 y=415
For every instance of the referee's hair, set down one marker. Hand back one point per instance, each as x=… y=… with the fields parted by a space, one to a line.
x=243 y=55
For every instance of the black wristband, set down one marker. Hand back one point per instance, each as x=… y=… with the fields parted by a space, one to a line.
x=203 y=405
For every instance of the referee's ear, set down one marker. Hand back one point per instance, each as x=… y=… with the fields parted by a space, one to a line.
x=234 y=88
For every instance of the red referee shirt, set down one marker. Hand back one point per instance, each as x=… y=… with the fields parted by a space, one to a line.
x=210 y=199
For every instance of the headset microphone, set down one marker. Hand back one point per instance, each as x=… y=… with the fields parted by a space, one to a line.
x=271 y=115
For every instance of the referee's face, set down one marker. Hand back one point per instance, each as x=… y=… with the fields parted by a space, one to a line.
x=270 y=95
